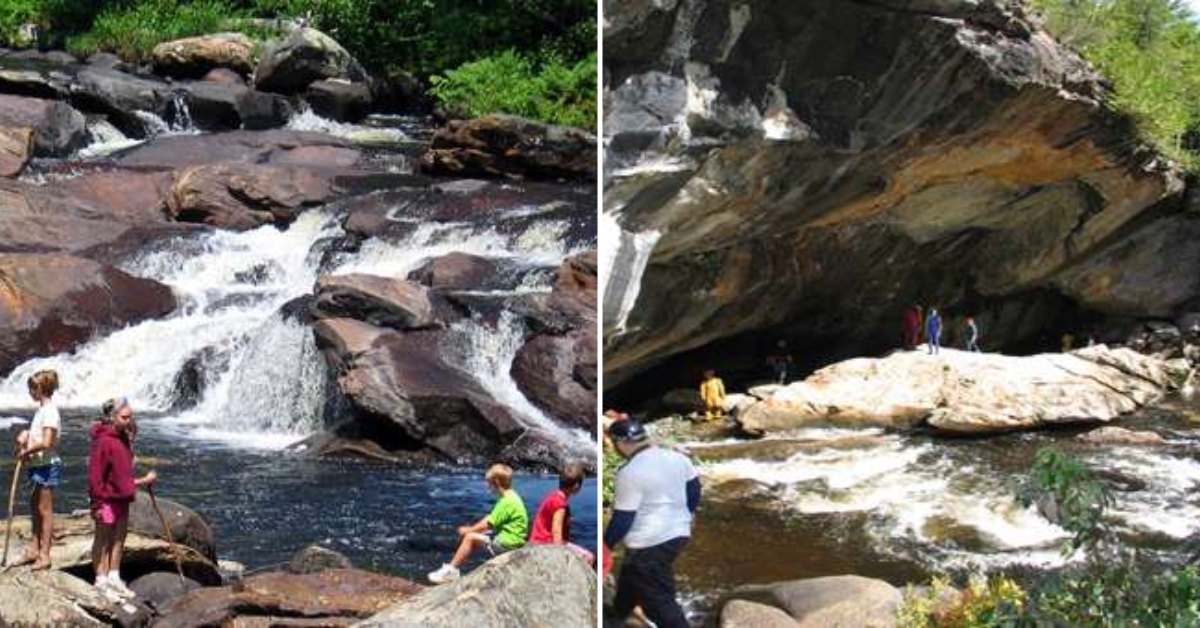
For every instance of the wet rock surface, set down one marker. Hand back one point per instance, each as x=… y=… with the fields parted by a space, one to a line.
x=502 y=145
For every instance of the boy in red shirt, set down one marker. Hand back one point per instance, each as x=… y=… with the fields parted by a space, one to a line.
x=552 y=524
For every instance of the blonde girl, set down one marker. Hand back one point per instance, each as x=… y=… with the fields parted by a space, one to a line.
x=38 y=447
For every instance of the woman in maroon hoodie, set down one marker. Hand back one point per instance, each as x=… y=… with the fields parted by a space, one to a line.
x=112 y=487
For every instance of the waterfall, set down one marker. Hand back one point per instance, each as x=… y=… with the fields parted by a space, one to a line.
x=622 y=259
x=263 y=378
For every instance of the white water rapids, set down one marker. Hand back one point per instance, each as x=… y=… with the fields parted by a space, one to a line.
x=265 y=385
x=953 y=507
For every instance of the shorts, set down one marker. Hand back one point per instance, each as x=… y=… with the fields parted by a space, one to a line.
x=496 y=548
x=46 y=476
x=108 y=513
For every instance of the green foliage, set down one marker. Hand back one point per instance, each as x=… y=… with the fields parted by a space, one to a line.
x=983 y=603
x=612 y=461
x=510 y=82
x=131 y=31
x=1121 y=595
x=13 y=14
x=1063 y=486
x=1150 y=51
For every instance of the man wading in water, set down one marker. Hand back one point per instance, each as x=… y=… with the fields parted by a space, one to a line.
x=657 y=490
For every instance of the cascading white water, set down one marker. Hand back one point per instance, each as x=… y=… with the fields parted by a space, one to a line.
x=304 y=119
x=622 y=261
x=105 y=139
x=487 y=354
x=264 y=379
x=229 y=287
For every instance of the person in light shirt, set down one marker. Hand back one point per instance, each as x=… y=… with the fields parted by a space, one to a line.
x=657 y=490
x=38 y=448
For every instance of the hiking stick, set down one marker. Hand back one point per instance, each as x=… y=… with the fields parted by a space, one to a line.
x=167 y=529
x=12 y=502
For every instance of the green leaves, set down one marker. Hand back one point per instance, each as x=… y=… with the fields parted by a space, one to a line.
x=1066 y=493
x=550 y=90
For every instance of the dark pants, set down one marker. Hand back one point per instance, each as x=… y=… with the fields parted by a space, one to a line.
x=647 y=579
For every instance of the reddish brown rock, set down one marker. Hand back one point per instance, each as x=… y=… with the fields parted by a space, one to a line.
x=502 y=145
x=224 y=76
x=277 y=147
x=380 y=301
x=456 y=271
x=329 y=595
x=245 y=196
x=58 y=127
x=49 y=303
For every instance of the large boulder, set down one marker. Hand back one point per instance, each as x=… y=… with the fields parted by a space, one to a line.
x=743 y=614
x=809 y=170
x=411 y=397
x=339 y=100
x=380 y=301
x=305 y=55
x=458 y=271
x=556 y=369
x=326 y=598
x=72 y=551
x=828 y=601
x=78 y=213
x=193 y=57
x=159 y=588
x=510 y=146
x=58 y=127
x=122 y=97
x=315 y=559
x=53 y=598
x=187 y=526
x=245 y=196
x=50 y=303
x=214 y=106
x=967 y=392
x=541 y=585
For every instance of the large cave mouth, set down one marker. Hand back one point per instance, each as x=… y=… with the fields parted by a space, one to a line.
x=1035 y=321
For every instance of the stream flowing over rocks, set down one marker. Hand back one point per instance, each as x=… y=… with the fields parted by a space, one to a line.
x=324 y=340
x=807 y=170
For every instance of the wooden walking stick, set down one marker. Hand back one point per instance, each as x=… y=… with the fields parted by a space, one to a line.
x=167 y=529
x=12 y=502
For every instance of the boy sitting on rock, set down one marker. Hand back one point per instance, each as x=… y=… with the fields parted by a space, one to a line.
x=508 y=522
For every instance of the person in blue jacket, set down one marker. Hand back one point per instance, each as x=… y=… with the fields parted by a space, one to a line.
x=933 y=330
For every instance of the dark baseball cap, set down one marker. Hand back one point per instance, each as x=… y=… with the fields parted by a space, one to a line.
x=627 y=431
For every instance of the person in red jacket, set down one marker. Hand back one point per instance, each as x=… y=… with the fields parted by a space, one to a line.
x=112 y=488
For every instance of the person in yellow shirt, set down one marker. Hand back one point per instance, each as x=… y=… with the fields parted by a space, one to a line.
x=712 y=391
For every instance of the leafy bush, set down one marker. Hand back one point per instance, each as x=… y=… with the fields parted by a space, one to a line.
x=15 y=13
x=1150 y=51
x=549 y=90
x=1065 y=490
x=132 y=31
x=612 y=460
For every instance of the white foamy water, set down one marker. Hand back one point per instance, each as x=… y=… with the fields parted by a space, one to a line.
x=487 y=354
x=920 y=504
x=306 y=120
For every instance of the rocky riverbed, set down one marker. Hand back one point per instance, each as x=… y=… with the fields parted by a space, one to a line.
x=852 y=476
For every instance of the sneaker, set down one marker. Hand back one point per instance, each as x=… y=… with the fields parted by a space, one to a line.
x=119 y=586
x=111 y=594
x=447 y=573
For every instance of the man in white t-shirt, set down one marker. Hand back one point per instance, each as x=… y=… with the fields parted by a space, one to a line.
x=657 y=490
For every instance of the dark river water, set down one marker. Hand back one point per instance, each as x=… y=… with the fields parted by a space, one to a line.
x=264 y=505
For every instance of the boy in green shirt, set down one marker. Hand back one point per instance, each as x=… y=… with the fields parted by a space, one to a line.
x=508 y=522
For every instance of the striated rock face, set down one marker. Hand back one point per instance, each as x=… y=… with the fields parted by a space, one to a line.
x=541 y=585
x=806 y=170
x=971 y=393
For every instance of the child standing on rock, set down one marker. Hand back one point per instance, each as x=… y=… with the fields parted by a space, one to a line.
x=508 y=522
x=552 y=523
x=112 y=488
x=39 y=448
